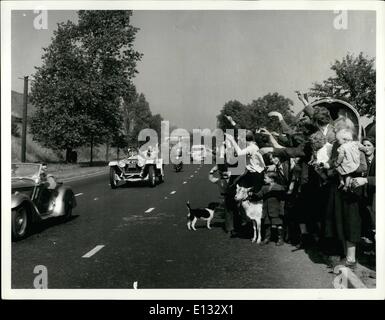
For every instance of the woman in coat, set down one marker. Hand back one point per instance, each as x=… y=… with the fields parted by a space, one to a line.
x=368 y=182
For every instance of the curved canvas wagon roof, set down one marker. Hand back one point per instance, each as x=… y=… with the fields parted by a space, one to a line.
x=339 y=107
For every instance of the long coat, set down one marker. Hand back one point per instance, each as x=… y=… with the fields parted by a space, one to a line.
x=273 y=201
x=343 y=219
x=370 y=190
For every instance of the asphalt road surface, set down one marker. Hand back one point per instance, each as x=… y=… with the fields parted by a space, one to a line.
x=137 y=236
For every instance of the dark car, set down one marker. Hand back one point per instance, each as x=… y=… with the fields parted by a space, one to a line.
x=37 y=196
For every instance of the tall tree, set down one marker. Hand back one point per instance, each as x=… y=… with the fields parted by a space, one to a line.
x=354 y=81
x=255 y=114
x=138 y=117
x=156 y=124
x=86 y=70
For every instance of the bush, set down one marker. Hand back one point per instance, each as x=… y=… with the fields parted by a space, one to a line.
x=15 y=129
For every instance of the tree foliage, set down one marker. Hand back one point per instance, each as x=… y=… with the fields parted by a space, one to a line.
x=255 y=114
x=354 y=81
x=86 y=70
x=138 y=116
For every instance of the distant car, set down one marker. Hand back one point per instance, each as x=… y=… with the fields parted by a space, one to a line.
x=36 y=197
x=198 y=153
x=136 y=167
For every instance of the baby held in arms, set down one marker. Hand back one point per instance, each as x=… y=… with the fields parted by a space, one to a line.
x=348 y=158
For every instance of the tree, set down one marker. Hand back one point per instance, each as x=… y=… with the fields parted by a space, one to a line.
x=354 y=81
x=156 y=124
x=86 y=70
x=255 y=114
x=137 y=117
x=14 y=127
x=260 y=108
x=237 y=111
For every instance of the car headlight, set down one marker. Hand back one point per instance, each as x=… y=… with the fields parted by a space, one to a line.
x=121 y=163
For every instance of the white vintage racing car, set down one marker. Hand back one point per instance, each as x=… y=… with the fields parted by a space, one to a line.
x=137 y=166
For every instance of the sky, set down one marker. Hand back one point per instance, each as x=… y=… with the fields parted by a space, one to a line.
x=195 y=61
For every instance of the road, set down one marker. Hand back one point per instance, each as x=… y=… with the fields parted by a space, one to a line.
x=137 y=236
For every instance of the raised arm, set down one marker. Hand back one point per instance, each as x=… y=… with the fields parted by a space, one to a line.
x=273 y=141
x=308 y=110
x=238 y=150
x=232 y=122
x=285 y=127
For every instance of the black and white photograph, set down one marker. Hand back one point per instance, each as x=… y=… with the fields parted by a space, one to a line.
x=177 y=145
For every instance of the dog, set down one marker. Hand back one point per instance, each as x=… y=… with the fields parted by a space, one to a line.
x=253 y=211
x=200 y=213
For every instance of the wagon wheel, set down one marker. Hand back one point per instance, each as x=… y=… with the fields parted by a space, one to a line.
x=335 y=105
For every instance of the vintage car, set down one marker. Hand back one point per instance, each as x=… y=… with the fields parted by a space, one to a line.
x=198 y=153
x=137 y=167
x=36 y=196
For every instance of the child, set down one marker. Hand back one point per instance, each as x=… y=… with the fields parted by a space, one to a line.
x=279 y=166
x=321 y=153
x=348 y=159
x=223 y=185
x=273 y=206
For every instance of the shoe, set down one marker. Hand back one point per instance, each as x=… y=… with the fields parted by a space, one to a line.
x=303 y=243
x=233 y=234
x=267 y=236
x=280 y=237
x=351 y=265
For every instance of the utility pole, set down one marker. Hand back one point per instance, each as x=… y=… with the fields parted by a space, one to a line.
x=24 y=124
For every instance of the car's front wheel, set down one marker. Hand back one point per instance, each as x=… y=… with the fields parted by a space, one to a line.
x=20 y=223
x=151 y=177
x=113 y=182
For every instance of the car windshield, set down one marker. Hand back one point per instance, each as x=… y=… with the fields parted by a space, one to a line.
x=132 y=152
x=197 y=148
x=25 y=170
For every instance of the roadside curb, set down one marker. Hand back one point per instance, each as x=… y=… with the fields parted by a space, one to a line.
x=100 y=172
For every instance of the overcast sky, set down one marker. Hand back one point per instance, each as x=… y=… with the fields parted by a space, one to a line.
x=195 y=61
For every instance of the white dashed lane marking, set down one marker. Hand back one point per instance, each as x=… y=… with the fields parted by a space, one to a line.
x=78 y=194
x=93 y=251
x=172 y=192
x=149 y=210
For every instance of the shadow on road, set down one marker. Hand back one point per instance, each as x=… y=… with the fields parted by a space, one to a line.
x=49 y=223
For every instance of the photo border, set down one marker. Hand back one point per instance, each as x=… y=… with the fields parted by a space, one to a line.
x=187 y=294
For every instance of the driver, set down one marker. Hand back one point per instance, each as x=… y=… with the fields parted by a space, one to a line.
x=48 y=179
x=150 y=154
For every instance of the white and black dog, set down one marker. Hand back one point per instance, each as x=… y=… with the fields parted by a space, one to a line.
x=200 y=213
